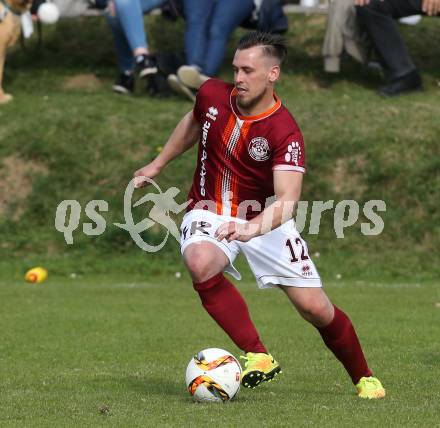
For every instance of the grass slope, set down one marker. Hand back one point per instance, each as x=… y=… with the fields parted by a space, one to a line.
x=66 y=136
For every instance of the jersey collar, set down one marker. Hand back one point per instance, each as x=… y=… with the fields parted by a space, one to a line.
x=267 y=113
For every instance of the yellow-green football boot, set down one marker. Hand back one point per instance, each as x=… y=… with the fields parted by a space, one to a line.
x=370 y=387
x=258 y=368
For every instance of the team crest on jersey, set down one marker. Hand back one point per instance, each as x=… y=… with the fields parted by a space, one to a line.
x=293 y=153
x=259 y=149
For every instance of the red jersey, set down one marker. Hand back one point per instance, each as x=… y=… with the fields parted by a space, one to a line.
x=238 y=154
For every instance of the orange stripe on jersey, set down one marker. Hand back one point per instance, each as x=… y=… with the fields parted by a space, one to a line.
x=226 y=136
x=244 y=131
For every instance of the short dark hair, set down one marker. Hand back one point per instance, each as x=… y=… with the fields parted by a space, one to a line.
x=273 y=45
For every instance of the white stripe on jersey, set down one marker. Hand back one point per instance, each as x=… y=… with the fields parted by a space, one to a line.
x=282 y=167
x=227 y=174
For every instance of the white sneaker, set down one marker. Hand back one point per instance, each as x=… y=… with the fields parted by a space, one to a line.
x=190 y=76
x=179 y=88
x=411 y=20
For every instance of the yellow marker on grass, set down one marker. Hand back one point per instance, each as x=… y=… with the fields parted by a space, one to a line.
x=36 y=275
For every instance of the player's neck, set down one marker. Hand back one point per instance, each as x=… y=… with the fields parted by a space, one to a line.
x=265 y=104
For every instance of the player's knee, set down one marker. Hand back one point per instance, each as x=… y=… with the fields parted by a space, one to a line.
x=203 y=262
x=197 y=270
x=199 y=267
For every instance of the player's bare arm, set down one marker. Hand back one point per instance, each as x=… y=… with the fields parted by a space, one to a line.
x=287 y=187
x=184 y=136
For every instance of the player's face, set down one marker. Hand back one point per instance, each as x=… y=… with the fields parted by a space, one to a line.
x=254 y=76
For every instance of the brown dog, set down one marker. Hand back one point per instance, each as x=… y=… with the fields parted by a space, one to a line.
x=10 y=28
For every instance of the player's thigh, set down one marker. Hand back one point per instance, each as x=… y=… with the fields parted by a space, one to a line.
x=203 y=254
x=204 y=260
x=312 y=303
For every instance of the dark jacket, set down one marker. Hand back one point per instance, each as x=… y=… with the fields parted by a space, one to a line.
x=269 y=18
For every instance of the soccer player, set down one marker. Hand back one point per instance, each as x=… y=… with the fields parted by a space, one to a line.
x=250 y=149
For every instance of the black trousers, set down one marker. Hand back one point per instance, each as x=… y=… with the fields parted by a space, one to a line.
x=378 y=18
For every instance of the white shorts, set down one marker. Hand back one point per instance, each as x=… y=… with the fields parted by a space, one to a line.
x=279 y=257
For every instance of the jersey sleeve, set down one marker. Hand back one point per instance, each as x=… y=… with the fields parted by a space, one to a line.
x=202 y=94
x=290 y=154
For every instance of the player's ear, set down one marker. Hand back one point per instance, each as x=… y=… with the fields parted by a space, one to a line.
x=274 y=73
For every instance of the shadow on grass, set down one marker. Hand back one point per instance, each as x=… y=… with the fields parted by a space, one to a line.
x=161 y=386
x=155 y=385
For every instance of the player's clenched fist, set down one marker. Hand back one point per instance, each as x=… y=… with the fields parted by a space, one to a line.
x=232 y=231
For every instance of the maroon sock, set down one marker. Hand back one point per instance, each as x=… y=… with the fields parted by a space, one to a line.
x=226 y=306
x=340 y=337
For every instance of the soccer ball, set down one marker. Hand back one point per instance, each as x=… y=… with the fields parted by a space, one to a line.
x=213 y=375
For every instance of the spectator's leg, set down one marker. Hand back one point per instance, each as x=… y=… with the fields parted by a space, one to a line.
x=227 y=16
x=130 y=15
x=123 y=50
x=379 y=20
x=198 y=16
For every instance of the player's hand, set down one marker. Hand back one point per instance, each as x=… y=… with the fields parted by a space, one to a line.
x=431 y=7
x=148 y=171
x=232 y=231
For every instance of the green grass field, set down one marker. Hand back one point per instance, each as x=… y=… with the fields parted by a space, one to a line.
x=106 y=339
x=105 y=351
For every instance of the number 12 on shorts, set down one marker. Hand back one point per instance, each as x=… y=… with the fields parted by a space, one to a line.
x=293 y=257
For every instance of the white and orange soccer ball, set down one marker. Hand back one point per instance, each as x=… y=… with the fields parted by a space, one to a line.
x=213 y=375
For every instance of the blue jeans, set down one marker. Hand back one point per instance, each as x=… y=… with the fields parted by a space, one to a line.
x=128 y=28
x=209 y=23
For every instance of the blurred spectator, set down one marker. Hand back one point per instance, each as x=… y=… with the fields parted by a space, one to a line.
x=378 y=18
x=209 y=26
x=342 y=35
x=127 y=23
x=209 y=23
